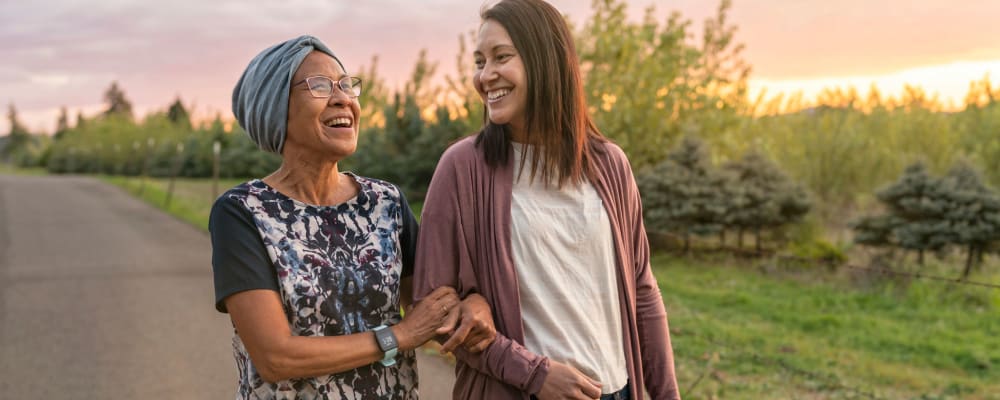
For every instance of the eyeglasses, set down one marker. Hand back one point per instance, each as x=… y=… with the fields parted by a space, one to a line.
x=322 y=87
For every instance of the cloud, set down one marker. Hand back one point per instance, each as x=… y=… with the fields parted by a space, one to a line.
x=55 y=80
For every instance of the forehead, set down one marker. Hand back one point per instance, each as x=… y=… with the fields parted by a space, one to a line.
x=491 y=35
x=319 y=63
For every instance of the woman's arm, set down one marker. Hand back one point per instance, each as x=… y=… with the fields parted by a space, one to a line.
x=447 y=256
x=278 y=355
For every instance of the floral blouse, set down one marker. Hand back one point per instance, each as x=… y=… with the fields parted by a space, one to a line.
x=337 y=269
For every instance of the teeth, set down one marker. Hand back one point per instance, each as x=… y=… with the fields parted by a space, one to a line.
x=496 y=94
x=346 y=122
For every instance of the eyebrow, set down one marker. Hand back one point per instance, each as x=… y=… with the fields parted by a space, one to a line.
x=495 y=48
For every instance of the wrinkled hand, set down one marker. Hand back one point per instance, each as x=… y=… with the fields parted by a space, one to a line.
x=433 y=315
x=566 y=382
x=476 y=330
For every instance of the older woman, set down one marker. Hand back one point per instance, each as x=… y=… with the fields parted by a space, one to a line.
x=311 y=263
x=540 y=214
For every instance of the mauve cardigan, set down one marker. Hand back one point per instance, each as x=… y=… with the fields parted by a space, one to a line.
x=464 y=243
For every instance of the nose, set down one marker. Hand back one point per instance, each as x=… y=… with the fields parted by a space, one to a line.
x=338 y=98
x=488 y=73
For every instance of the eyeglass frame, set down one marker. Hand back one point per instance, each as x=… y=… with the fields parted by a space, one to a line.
x=352 y=81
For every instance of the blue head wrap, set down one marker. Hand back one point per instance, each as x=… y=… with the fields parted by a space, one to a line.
x=260 y=99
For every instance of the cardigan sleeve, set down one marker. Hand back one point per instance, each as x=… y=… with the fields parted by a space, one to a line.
x=444 y=251
x=651 y=316
x=447 y=256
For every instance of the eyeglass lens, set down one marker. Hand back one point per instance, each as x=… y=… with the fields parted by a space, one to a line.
x=321 y=86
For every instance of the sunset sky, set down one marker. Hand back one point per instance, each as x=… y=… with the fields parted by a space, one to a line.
x=66 y=53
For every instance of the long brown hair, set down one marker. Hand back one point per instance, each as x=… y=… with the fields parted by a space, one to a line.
x=556 y=113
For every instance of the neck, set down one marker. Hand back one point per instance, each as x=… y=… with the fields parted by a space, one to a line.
x=311 y=179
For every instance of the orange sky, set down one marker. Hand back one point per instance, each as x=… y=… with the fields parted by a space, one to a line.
x=62 y=52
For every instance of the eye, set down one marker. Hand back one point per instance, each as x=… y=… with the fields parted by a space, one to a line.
x=321 y=85
x=504 y=57
x=480 y=63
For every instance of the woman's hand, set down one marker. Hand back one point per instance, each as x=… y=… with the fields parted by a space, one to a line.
x=429 y=317
x=476 y=330
x=566 y=382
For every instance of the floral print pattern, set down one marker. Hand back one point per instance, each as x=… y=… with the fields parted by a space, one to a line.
x=339 y=270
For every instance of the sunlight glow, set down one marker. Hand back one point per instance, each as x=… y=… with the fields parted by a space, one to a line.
x=949 y=82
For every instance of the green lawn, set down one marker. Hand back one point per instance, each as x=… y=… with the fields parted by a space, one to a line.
x=741 y=334
x=8 y=169
x=191 y=201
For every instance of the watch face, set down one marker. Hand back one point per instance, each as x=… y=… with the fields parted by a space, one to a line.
x=386 y=340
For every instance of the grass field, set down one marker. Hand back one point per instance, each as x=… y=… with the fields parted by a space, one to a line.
x=191 y=200
x=11 y=170
x=740 y=333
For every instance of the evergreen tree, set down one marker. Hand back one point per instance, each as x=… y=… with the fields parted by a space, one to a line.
x=918 y=202
x=62 y=123
x=118 y=104
x=81 y=121
x=973 y=213
x=764 y=197
x=18 y=137
x=875 y=231
x=682 y=194
x=178 y=114
x=406 y=149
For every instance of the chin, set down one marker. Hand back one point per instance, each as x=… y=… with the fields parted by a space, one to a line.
x=499 y=119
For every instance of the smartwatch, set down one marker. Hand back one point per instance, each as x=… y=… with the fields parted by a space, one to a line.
x=387 y=342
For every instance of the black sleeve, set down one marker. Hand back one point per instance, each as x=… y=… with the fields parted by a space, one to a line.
x=408 y=236
x=239 y=259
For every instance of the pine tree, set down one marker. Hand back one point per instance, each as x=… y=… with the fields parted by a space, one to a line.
x=973 y=213
x=764 y=197
x=81 y=121
x=17 y=138
x=178 y=114
x=875 y=231
x=682 y=194
x=118 y=104
x=918 y=201
x=62 y=123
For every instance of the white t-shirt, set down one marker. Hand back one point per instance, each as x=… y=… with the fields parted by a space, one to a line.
x=568 y=283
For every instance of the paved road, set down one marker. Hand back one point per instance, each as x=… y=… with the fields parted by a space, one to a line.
x=104 y=297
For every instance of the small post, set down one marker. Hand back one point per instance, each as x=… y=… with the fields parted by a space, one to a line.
x=71 y=167
x=99 y=157
x=145 y=165
x=178 y=161
x=131 y=156
x=118 y=165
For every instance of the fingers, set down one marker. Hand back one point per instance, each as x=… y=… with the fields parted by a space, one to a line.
x=589 y=387
x=441 y=292
x=450 y=320
x=479 y=346
x=479 y=338
x=458 y=337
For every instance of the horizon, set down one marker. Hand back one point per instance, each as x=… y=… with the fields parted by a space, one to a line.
x=68 y=54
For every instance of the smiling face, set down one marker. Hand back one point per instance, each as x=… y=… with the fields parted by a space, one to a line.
x=500 y=77
x=328 y=126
